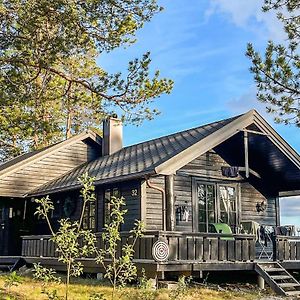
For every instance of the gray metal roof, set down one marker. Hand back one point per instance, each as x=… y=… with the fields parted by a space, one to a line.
x=134 y=161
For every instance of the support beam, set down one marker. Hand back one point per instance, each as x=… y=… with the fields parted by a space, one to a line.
x=170 y=202
x=289 y=193
x=255 y=132
x=246 y=148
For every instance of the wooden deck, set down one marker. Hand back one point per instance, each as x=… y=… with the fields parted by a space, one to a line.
x=188 y=251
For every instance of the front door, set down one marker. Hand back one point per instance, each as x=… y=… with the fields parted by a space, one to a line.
x=11 y=227
x=3 y=228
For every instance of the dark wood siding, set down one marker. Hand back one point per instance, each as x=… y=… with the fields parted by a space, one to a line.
x=131 y=191
x=39 y=226
x=55 y=164
x=153 y=213
x=208 y=167
x=132 y=200
x=250 y=196
x=183 y=197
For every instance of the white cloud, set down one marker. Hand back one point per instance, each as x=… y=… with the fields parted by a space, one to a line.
x=246 y=101
x=247 y=14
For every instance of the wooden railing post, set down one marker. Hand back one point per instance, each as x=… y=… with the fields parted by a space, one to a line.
x=274 y=241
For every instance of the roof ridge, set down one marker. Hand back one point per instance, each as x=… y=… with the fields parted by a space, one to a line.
x=180 y=132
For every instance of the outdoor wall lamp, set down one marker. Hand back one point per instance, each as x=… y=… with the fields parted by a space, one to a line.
x=261 y=206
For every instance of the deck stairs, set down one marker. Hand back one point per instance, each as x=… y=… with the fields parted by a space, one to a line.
x=10 y=263
x=279 y=279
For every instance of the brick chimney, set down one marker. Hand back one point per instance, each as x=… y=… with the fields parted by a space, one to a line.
x=112 y=135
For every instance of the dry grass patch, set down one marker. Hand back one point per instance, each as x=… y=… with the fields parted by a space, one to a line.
x=82 y=289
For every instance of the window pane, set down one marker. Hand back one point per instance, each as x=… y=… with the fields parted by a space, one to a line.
x=206 y=205
x=107 y=195
x=202 y=227
x=92 y=209
x=228 y=204
x=85 y=223
x=92 y=223
x=202 y=216
x=210 y=190
x=231 y=192
x=201 y=196
x=116 y=193
x=232 y=218
x=211 y=216
x=107 y=207
x=210 y=201
x=224 y=217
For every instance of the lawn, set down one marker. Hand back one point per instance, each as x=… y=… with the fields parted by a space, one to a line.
x=83 y=289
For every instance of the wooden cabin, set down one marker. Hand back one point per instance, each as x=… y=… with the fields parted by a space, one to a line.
x=230 y=172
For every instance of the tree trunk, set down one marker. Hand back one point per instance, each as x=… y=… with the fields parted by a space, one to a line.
x=68 y=125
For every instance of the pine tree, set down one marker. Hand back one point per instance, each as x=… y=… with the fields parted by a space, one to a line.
x=277 y=74
x=51 y=84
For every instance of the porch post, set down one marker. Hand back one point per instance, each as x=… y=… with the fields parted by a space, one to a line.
x=246 y=153
x=261 y=282
x=170 y=202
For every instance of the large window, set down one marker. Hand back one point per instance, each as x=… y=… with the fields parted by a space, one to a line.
x=216 y=203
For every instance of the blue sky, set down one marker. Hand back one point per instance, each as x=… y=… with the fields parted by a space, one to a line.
x=201 y=45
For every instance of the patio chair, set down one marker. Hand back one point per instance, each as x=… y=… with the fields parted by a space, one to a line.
x=222 y=228
x=250 y=227
x=265 y=241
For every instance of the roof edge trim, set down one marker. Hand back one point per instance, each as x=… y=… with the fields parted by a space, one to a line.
x=181 y=159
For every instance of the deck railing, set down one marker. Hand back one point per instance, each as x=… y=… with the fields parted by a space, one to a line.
x=287 y=248
x=201 y=247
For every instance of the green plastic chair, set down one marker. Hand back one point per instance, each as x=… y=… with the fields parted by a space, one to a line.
x=221 y=228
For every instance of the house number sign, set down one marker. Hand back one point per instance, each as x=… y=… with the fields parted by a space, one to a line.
x=160 y=251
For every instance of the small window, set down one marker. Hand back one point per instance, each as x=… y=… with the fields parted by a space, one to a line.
x=115 y=192
x=107 y=207
x=89 y=216
x=56 y=213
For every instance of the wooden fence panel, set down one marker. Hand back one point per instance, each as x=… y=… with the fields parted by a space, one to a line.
x=287 y=248
x=183 y=246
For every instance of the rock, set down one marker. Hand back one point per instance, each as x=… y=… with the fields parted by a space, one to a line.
x=170 y=285
x=25 y=271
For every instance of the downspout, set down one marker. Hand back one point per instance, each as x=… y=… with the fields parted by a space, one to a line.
x=163 y=196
